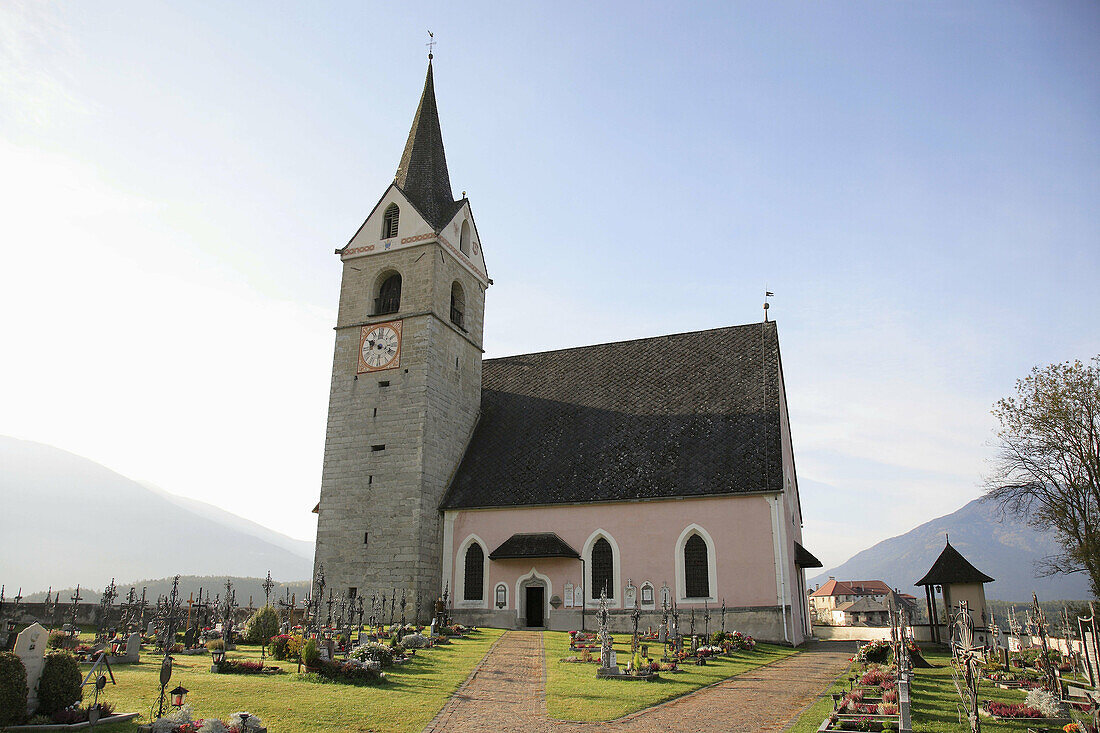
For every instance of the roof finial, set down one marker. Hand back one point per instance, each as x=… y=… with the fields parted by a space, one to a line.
x=767 y=294
x=430 y=44
x=947 y=537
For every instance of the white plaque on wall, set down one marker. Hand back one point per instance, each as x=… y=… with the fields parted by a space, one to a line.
x=568 y=595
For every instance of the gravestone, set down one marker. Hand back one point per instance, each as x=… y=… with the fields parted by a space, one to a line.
x=151 y=630
x=30 y=647
x=1093 y=662
x=133 y=648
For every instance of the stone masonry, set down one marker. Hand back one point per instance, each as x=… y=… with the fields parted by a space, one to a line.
x=424 y=417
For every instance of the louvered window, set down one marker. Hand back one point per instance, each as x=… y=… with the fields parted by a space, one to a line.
x=389 y=296
x=696 y=570
x=603 y=570
x=389 y=221
x=473 y=589
x=458 y=305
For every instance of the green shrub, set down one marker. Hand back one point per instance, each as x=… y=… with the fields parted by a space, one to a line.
x=311 y=655
x=263 y=625
x=13 y=689
x=59 y=685
x=215 y=644
x=279 y=646
x=58 y=640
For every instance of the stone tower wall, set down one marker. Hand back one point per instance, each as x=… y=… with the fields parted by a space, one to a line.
x=424 y=417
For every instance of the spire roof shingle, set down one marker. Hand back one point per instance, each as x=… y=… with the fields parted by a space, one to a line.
x=422 y=174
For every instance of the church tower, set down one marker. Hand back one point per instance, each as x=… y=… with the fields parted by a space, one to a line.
x=406 y=376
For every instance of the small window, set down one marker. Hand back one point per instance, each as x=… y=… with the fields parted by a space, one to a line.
x=475 y=574
x=352 y=592
x=464 y=238
x=377 y=448
x=389 y=221
x=696 y=568
x=458 y=305
x=366 y=538
x=389 y=296
x=382 y=385
x=370 y=479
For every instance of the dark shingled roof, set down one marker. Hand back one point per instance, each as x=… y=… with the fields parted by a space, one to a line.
x=951 y=567
x=538 y=544
x=803 y=558
x=422 y=174
x=690 y=414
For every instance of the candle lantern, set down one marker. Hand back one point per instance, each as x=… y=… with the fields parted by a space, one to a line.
x=179 y=695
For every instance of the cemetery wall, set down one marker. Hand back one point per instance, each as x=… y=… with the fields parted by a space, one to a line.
x=851 y=633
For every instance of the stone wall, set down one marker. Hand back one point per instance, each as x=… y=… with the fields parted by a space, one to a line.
x=762 y=623
x=379 y=525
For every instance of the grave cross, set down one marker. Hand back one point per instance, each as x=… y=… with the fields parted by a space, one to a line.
x=1052 y=684
x=393 y=598
x=228 y=606
x=706 y=620
x=966 y=655
x=105 y=601
x=284 y=607
x=329 y=603
x=359 y=603
x=170 y=613
x=403 y=602
x=723 y=617
x=318 y=597
x=267 y=585
x=373 y=609
x=417 y=621
x=48 y=608
x=74 y=607
x=635 y=616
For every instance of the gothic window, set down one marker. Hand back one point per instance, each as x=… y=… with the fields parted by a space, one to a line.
x=464 y=238
x=696 y=570
x=389 y=296
x=473 y=589
x=458 y=305
x=603 y=570
x=389 y=221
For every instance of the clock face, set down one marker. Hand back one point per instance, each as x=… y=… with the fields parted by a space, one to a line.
x=380 y=346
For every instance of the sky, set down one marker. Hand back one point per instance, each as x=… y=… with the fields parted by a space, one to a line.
x=918 y=184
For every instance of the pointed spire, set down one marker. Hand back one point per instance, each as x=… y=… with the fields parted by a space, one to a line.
x=422 y=175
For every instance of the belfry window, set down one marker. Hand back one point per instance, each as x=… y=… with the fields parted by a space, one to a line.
x=696 y=568
x=474 y=584
x=389 y=296
x=389 y=221
x=458 y=305
x=603 y=570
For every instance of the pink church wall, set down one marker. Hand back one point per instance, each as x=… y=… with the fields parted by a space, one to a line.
x=646 y=535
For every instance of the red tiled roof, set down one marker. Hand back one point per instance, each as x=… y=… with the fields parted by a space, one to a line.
x=833 y=588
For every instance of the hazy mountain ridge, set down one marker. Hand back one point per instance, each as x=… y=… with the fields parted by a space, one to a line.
x=188 y=587
x=69 y=520
x=1003 y=548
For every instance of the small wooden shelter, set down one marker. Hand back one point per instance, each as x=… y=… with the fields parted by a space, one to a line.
x=958 y=580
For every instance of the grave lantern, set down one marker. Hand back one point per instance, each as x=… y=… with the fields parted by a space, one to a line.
x=179 y=695
x=217 y=655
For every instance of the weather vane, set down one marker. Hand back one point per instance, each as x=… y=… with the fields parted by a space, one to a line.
x=430 y=44
x=767 y=294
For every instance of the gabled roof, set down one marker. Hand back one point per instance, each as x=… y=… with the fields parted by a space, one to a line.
x=862 y=605
x=684 y=415
x=869 y=587
x=833 y=588
x=951 y=567
x=536 y=544
x=422 y=174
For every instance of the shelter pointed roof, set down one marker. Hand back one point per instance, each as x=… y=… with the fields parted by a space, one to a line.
x=422 y=174
x=951 y=567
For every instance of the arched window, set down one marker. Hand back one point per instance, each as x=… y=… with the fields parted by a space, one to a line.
x=696 y=569
x=464 y=238
x=458 y=304
x=603 y=570
x=389 y=221
x=389 y=296
x=474 y=583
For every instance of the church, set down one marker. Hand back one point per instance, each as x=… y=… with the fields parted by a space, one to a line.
x=658 y=473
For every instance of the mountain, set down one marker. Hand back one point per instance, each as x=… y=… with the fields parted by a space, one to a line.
x=189 y=586
x=69 y=520
x=1003 y=548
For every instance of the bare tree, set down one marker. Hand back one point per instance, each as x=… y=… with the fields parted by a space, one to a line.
x=1047 y=469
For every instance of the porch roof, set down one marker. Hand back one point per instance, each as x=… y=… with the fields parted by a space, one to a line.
x=533 y=544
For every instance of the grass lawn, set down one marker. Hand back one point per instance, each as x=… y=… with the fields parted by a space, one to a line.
x=574 y=693
x=411 y=697
x=934 y=701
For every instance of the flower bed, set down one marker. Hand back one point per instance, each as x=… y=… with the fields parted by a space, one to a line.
x=238 y=666
x=347 y=673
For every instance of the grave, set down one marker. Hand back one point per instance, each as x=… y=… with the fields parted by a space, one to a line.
x=30 y=646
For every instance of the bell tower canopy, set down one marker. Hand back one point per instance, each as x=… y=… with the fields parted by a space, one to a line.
x=422 y=174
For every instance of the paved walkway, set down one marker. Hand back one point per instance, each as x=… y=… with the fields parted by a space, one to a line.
x=507 y=692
